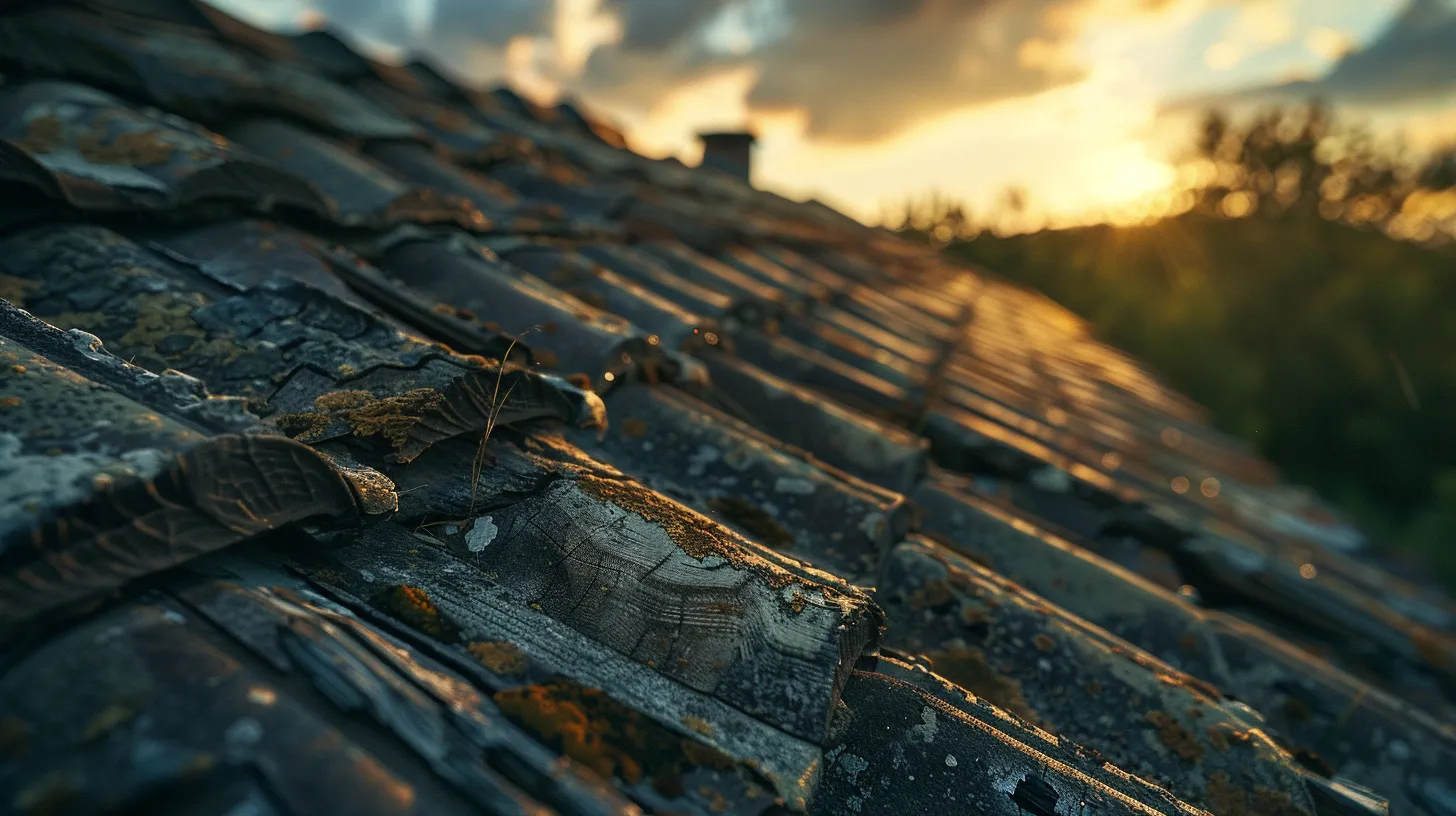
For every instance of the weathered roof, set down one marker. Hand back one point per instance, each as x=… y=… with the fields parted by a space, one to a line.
x=368 y=442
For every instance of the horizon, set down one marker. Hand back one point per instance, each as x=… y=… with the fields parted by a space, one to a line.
x=1087 y=105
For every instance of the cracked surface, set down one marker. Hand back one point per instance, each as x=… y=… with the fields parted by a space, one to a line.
x=309 y=500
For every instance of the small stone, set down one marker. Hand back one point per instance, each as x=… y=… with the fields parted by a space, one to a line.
x=950 y=761
x=481 y=534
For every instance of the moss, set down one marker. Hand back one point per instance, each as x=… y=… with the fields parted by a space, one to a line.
x=410 y=605
x=1226 y=799
x=390 y=417
x=135 y=148
x=968 y=668
x=1174 y=736
x=308 y=426
x=16 y=290
x=43 y=134
x=607 y=737
x=752 y=520
x=341 y=400
x=498 y=656
x=655 y=509
x=92 y=322
x=163 y=314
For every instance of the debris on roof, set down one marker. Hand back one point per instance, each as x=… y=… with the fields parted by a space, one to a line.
x=373 y=443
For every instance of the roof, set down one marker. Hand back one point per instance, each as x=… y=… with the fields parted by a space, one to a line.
x=377 y=444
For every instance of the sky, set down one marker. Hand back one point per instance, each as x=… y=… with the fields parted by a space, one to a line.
x=864 y=104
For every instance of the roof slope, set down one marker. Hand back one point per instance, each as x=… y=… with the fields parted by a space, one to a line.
x=368 y=443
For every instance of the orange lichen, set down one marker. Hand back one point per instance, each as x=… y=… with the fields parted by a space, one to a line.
x=605 y=736
x=1433 y=648
x=1218 y=738
x=10 y=402
x=1043 y=643
x=452 y=311
x=634 y=428
x=43 y=134
x=412 y=606
x=1174 y=736
x=1227 y=799
x=136 y=148
x=698 y=724
x=931 y=594
x=498 y=656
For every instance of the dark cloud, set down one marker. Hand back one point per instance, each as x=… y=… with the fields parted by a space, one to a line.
x=860 y=69
x=657 y=26
x=1413 y=59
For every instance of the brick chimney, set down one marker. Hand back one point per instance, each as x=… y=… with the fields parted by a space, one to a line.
x=731 y=153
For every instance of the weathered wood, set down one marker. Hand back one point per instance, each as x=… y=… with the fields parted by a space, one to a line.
x=645 y=576
x=505 y=644
x=902 y=749
x=1039 y=662
x=313 y=364
x=1311 y=705
x=775 y=495
x=870 y=449
x=97 y=491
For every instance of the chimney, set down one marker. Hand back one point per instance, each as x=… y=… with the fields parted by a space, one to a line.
x=731 y=153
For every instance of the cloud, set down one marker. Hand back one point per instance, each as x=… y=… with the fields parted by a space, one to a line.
x=1413 y=60
x=860 y=70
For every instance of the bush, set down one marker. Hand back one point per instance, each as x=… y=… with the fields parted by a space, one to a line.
x=1302 y=299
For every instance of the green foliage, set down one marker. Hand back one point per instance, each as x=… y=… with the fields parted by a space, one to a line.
x=1314 y=335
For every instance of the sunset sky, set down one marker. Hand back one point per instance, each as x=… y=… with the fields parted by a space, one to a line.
x=865 y=103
